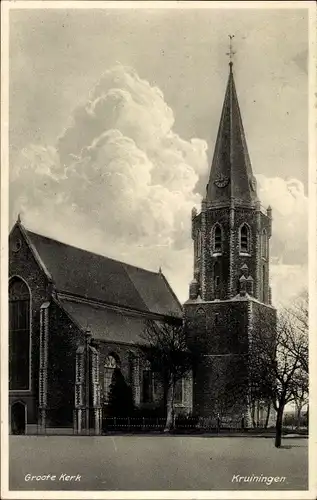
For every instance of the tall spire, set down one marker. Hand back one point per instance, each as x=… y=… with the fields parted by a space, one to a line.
x=231 y=179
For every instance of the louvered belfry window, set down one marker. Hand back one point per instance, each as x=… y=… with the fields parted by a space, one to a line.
x=244 y=239
x=217 y=239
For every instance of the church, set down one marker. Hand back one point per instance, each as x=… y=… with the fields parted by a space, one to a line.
x=63 y=303
x=75 y=316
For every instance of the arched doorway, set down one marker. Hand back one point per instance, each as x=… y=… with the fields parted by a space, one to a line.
x=18 y=418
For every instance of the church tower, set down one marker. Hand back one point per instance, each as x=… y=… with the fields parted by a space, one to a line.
x=230 y=288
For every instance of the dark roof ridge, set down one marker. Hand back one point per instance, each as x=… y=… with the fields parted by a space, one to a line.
x=79 y=272
x=171 y=290
x=28 y=231
x=71 y=297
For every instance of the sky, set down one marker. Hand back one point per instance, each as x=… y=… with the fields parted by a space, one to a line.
x=113 y=120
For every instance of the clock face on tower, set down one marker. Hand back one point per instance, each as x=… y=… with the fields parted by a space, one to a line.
x=221 y=181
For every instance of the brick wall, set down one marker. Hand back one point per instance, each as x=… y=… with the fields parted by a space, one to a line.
x=230 y=261
x=125 y=353
x=221 y=377
x=63 y=339
x=23 y=264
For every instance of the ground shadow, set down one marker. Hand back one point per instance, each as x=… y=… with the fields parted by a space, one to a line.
x=290 y=446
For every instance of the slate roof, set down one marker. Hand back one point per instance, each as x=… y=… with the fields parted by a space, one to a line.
x=106 y=324
x=231 y=166
x=95 y=277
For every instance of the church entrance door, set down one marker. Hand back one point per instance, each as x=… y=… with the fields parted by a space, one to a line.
x=18 y=418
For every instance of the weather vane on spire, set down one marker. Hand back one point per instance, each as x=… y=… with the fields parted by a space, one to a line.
x=231 y=53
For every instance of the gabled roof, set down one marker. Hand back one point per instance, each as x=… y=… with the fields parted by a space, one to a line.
x=106 y=324
x=231 y=178
x=85 y=274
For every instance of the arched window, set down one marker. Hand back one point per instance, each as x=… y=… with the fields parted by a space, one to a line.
x=19 y=335
x=200 y=320
x=244 y=239
x=264 y=242
x=216 y=278
x=111 y=362
x=216 y=238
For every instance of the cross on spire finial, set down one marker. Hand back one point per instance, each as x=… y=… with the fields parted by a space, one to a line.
x=231 y=52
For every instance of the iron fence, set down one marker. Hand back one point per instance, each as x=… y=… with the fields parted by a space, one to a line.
x=129 y=424
x=156 y=424
x=190 y=423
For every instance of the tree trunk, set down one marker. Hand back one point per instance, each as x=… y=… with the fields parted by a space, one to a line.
x=165 y=399
x=253 y=414
x=258 y=414
x=170 y=420
x=267 y=415
x=279 y=425
x=298 y=415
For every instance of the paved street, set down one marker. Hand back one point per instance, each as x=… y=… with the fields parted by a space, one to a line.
x=156 y=462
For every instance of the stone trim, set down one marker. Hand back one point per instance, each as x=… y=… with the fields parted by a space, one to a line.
x=136 y=381
x=63 y=295
x=231 y=252
x=30 y=388
x=80 y=381
x=95 y=378
x=248 y=416
x=43 y=363
x=96 y=409
x=203 y=250
x=34 y=252
x=237 y=298
x=80 y=378
x=258 y=281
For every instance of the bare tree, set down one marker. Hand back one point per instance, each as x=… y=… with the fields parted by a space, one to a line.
x=281 y=355
x=166 y=348
x=260 y=358
x=299 y=312
x=300 y=395
x=299 y=344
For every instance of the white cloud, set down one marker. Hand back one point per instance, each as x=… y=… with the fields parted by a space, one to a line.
x=121 y=182
x=288 y=282
x=290 y=217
